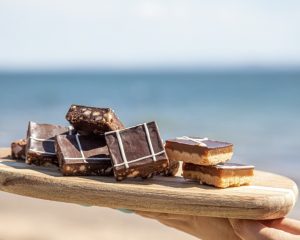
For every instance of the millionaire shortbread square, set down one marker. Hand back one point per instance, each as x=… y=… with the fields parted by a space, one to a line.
x=221 y=175
x=202 y=151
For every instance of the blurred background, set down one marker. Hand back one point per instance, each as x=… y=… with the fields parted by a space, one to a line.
x=226 y=70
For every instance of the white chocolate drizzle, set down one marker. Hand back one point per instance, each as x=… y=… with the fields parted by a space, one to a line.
x=121 y=146
x=196 y=140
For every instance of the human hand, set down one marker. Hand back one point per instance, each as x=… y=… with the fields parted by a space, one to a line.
x=208 y=228
x=278 y=229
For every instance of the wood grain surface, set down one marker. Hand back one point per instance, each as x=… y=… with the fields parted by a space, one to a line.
x=270 y=196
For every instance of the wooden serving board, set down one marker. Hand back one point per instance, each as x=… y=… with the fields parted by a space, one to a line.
x=270 y=196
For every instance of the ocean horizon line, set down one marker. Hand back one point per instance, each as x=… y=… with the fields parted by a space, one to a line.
x=295 y=69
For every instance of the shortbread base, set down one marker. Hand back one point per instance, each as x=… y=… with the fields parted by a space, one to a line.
x=220 y=182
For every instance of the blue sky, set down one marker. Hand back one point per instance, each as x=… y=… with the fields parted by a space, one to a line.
x=52 y=34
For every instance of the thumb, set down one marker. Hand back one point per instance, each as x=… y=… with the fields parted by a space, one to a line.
x=254 y=230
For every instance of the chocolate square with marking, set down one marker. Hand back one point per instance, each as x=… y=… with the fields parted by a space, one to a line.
x=221 y=175
x=198 y=150
x=137 y=151
x=92 y=120
x=83 y=155
x=40 y=148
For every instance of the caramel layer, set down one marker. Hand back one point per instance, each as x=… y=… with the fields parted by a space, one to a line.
x=197 y=158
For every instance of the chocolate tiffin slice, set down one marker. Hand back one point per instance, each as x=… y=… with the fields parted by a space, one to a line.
x=83 y=155
x=221 y=175
x=202 y=151
x=137 y=151
x=93 y=120
x=172 y=170
x=40 y=142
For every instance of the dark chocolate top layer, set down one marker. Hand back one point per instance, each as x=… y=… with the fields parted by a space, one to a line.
x=197 y=144
x=198 y=141
x=82 y=149
x=40 y=137
x=226 y=169
x=92 y=120
x=135 y=145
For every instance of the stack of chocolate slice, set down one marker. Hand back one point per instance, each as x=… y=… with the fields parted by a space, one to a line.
x=206 y=161
x=133 y=152
x=97 y=143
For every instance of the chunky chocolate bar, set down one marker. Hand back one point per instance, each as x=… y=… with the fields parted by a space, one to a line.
x=221 y=175
x=83 y=155
x=198 y=150
x=40 y=143
x=18 y=149
x=137 y=151
x=92 y=120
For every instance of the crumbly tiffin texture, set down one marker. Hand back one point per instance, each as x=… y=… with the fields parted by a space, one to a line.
x=83 y=156
x=172 y=169
x=200 y=151
x=92 y=120
x=221 y=175
x=40 y=148
x=18 y=149
x=137 y=151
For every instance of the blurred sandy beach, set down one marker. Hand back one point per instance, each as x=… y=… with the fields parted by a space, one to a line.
x=25 y=218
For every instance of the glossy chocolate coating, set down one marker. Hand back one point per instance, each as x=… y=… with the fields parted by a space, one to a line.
x=135 y=144
x=93 y=121
x=184 y=145
x=95 y=159
x=40 y=148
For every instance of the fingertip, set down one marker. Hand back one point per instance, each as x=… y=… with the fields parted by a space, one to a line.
x=251 y=229
x=286 y=224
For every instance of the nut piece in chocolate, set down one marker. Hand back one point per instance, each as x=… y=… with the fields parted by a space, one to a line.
x=18 y=149
x=92 y=120
x=83 y=155
x=40 y=143
x=200 y=151
x=172 y=169
x=221 y=175
x=137 y=151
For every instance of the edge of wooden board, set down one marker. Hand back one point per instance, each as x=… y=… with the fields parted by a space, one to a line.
x=43 y=183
